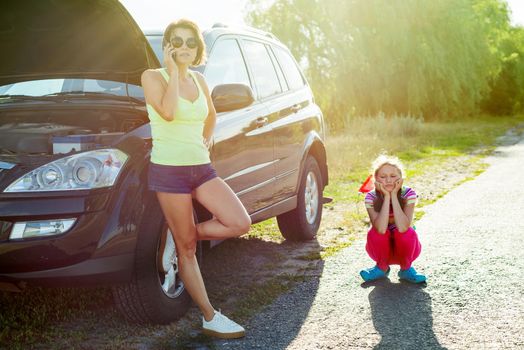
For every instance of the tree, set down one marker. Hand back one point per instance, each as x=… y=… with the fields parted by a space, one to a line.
x=418 y=57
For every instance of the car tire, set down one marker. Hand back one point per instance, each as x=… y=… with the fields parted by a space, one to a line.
x=302 y=223
x=148 y=298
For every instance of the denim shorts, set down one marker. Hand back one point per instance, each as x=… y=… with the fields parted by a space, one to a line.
x=179 y=178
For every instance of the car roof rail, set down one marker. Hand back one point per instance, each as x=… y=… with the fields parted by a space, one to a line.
x=247 y=29
x=219 y=25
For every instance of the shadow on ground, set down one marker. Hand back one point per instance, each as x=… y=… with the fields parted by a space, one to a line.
x=244 y=276
x=402 y=315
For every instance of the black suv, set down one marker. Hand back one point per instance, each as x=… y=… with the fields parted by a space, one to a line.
x=75 y=144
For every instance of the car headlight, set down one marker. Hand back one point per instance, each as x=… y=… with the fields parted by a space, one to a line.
x=83 y=171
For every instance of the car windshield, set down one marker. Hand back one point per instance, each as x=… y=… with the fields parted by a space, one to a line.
x=38 y=88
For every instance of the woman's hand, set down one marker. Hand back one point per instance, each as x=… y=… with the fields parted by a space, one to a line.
x=207 y=142
x=169 y=58
x=398 y=186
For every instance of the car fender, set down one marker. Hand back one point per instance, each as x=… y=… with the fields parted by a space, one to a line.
x=314 y=145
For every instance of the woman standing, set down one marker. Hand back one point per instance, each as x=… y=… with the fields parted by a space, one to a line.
x=182 y=118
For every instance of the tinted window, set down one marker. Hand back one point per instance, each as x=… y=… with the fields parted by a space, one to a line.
x=263 y=71
x=281 y=78
x=226 y=65
x=293 y=76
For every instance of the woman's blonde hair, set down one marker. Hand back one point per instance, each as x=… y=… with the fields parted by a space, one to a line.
x=187 y=24
x=378 y=163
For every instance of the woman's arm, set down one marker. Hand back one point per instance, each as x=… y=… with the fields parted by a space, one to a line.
x=209 y=124
x=380 y=220
x=403 y=218
x=164 y=99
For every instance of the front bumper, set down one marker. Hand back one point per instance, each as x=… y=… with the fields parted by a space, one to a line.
x=107 y=270
x=98 y=249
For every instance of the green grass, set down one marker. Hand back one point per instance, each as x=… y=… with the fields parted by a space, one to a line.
x=333 y=249
x=24 y=316
x=265 y=230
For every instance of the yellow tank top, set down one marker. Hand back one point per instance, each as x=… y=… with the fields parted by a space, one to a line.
x=180 y=141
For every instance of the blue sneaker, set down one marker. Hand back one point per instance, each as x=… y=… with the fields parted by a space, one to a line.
x=373 y=273
x=411 y=275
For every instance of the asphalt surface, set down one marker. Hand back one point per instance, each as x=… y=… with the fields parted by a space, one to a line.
x=472 y=244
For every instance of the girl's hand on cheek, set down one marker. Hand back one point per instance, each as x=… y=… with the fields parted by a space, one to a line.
x=398 y=185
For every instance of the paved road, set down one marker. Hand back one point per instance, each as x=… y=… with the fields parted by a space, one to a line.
x=473 y=239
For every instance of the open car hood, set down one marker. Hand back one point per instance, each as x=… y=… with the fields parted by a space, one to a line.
x=43 y=39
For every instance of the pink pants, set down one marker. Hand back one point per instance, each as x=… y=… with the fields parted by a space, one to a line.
x=393 y=248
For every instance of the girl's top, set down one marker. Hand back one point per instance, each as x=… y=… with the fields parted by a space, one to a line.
x=407 y=193
x=180 y=141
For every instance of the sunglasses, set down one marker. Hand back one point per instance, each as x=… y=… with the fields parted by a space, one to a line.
x=178 y=42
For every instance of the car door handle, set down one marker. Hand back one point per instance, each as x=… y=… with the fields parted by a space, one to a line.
x=295 y=108
x=260 y=122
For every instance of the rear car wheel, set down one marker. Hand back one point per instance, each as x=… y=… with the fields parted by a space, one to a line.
x=156 y=293
x=301 y=224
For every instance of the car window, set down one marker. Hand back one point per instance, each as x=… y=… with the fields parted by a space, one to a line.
x=226 y=65
x=264 y=74
x=291 y=71
x=281 y=78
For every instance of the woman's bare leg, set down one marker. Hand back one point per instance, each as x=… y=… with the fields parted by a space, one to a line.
x=230 y=217
x=178 y=211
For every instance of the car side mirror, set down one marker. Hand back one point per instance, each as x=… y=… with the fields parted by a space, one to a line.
x=228 y=97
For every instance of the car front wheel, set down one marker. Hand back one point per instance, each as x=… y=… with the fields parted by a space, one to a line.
x=302 y=223
x=156 y=294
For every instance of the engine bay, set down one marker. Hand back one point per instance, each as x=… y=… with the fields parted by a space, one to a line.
x=64 y=131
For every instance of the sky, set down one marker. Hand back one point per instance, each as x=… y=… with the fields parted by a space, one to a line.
x=157 y=14
x=517 y=8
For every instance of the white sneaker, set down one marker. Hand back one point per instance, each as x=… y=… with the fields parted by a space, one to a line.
x=222 y=327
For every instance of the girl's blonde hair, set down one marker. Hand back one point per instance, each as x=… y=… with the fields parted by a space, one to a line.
x=378 y=163
x=385 y=159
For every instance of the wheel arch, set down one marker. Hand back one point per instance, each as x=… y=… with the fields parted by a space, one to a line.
x=315 y=147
